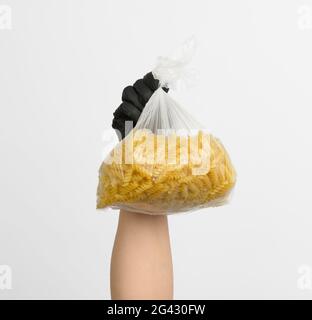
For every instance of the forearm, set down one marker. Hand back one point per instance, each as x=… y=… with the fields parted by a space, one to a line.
x=141 y=266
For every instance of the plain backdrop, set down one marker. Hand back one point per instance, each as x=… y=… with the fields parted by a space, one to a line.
x=63 y=66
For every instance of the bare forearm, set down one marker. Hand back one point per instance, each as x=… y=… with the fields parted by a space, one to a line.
x=141 y=266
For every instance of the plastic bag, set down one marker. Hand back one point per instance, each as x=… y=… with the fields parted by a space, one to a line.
x=168 y=163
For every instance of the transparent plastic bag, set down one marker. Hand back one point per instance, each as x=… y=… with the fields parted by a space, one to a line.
x=168 y=163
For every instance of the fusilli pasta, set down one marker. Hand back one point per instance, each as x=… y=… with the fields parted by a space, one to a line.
x=154 y=183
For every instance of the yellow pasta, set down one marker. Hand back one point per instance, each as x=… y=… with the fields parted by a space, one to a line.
x=187 y=176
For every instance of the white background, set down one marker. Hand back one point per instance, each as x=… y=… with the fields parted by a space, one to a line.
x=63 y=66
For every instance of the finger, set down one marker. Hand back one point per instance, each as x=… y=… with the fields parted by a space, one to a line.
x=143 y=91
x=129 y=94
x=150 y=81
x=127 y=110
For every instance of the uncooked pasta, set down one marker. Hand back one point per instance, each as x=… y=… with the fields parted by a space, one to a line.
x=164 y=174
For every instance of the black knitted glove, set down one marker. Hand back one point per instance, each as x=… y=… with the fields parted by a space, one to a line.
x=134 y=100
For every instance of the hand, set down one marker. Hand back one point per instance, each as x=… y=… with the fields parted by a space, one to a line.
x=134 y=100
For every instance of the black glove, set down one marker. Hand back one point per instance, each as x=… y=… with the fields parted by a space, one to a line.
x=134 y=100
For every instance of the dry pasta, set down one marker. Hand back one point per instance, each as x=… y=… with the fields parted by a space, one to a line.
x=154 y=183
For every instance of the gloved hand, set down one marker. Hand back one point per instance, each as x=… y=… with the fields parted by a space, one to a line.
x=134 y=100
